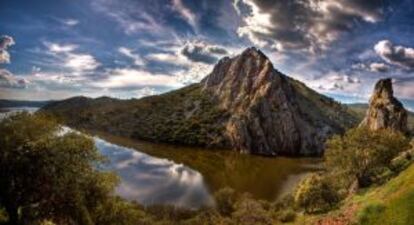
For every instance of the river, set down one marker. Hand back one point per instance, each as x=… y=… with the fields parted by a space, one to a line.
x=187 y=176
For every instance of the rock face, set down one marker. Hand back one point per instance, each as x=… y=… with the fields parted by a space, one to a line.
x=269 y=113
x=385 y=111
x=243 y=104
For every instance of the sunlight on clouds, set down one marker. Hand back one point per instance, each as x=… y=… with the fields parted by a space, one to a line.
x=79 y=63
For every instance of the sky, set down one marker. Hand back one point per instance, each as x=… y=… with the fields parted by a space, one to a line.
x=55 y=49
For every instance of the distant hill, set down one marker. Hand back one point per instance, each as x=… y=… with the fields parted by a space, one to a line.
x=243 y=104
x=4 y=103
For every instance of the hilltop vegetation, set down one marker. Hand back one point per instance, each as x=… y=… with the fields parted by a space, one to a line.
x=184 y=116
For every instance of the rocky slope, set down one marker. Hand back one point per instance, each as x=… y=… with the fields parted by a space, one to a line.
x=385 y=111
x=243 y=104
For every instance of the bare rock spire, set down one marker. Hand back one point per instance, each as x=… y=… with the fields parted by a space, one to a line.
x=385 y=111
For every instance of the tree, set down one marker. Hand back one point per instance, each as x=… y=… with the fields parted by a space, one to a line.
x=47 y=174
x=360 y=152
x=315 y=194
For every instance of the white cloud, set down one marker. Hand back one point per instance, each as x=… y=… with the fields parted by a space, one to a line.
x=130 y=78
x=395 y=54
x=5 y=43
x=8 y=80
x=378 y=67
x=70 y=22
x=60 y=48
x=78 y=63
x=128 y=52
x=81 y=62
x=185 y=13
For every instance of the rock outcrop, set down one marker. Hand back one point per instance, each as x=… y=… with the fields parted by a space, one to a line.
x=243 y=104
x=267 y=114
x=385 y=111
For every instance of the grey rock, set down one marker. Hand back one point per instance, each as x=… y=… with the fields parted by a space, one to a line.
x=385 y=111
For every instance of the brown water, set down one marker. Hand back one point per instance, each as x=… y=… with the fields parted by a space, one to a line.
x=213 y=169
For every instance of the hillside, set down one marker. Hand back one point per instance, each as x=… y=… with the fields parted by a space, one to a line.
x=243 y=104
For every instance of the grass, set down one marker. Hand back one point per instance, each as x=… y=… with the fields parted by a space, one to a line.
x=391 y=204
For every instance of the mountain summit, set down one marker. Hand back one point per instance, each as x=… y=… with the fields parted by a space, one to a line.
x=243 y=104
x=385 y=111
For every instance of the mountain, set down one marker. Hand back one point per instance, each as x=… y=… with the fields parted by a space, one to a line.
x=243 y=104
x=385 y=111
x=5 y=103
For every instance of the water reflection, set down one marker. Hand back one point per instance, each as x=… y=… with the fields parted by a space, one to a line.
x=151 y=180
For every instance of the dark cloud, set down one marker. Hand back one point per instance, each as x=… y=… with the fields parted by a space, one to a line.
x=303 y=24
x=5 y=43
x=202 y=52
x=8 y=80
x=394 y=54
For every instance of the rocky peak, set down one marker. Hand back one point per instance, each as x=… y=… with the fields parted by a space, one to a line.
x=265 y=115
x=385 y=111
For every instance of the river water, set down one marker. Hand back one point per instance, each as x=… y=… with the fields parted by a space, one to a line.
x=187 y=176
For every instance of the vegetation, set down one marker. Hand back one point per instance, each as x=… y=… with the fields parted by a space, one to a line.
x=315 y=194
x=185 y=116
x=363 y=154
x=47 y=175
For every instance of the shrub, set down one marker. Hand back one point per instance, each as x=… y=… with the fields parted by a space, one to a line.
x=360 y=152
x=315 y=194
x=225 y=200
x=249 y=211
x=286 y=216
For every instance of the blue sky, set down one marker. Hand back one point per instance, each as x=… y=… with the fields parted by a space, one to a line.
x=54 y=49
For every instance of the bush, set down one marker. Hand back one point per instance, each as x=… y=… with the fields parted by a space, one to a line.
x=315 y=194
x=286 y=216
x=360 y=152
x=225 y=200
x=249 y=211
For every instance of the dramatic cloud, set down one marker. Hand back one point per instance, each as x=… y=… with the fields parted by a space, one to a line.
x=185 y=13
x=8 y=80
x=303 y=24
x=5 y=43
x=395 y=54
x=379 y=67
x=199 y=51
x=129 y=53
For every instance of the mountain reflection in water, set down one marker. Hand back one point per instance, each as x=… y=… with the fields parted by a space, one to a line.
x=151 y=180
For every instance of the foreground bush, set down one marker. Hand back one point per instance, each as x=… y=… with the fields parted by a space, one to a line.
x=225 y=200
x=361 y=152
x=315 y=194
x=45 y=175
